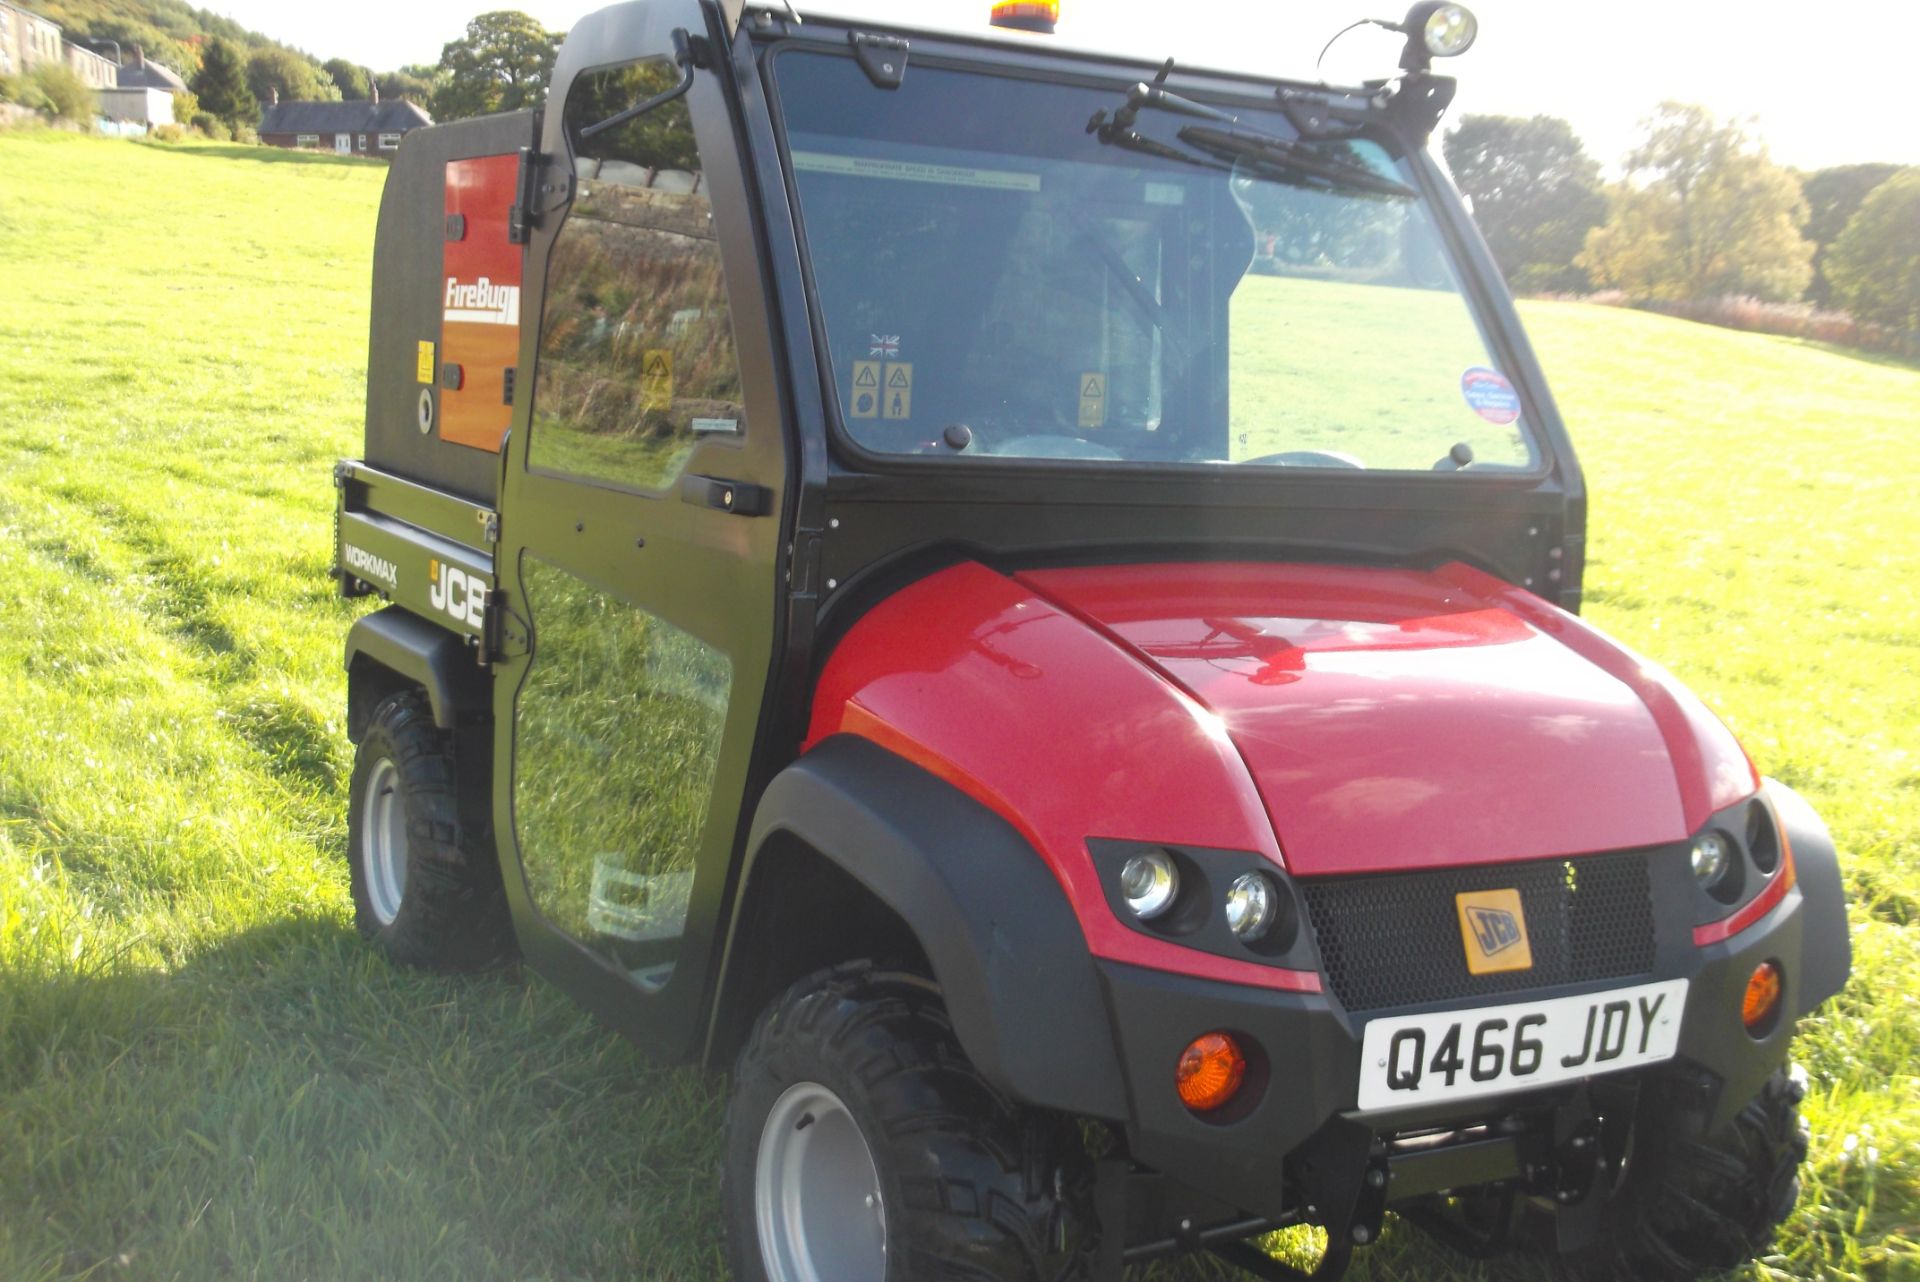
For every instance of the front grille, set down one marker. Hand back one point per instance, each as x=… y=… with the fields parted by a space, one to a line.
x=1393 y=939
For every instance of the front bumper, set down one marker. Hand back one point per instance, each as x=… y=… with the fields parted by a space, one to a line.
x=1301 y=1142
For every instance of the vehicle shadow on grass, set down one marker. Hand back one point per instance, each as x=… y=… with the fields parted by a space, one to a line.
x=283 y=1103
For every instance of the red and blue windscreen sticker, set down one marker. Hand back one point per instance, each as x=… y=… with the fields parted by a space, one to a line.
x=1490 y=395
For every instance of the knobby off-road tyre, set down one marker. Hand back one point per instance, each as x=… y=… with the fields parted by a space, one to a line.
x=966 y=1186
x=1695 y=1204
x=426 y=891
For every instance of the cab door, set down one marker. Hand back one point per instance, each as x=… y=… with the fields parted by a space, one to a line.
x=639 y=526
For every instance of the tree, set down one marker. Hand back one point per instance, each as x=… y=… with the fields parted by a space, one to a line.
x=272 y=71
x=351 y=81
x=503 y=63
x=1833 y=198
x=63 y=94
x=1703 y=213
x=221 y=85
x=415 y=84
x=1875 y=262
x=1535 y=193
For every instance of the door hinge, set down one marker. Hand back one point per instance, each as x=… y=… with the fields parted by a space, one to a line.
x=883 y=58
x=508 y=636
x=521 y=217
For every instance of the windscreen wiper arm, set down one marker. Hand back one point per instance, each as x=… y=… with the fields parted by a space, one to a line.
x=1289 y=158
x=1232 y=143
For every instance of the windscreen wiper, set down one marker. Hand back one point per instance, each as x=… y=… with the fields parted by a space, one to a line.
x=1286 y=159
x=1233 y=143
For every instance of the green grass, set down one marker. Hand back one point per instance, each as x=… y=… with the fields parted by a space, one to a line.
x=203 y=1074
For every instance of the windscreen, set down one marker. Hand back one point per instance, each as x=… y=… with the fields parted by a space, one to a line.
x=996 y=282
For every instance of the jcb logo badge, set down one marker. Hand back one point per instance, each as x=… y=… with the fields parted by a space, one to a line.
x=1493 y=926
x=454 y=591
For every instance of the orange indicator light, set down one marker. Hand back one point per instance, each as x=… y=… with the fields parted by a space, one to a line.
x=1763 y=997
x=1210 y=1072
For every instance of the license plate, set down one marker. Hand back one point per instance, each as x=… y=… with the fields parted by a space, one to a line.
x=1459 y=1054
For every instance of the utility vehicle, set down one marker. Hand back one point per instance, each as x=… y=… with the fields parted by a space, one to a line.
x=1025 y=603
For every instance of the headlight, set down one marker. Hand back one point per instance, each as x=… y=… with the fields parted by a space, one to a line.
x=1712 y=853
x=1250 y=905
x=1450 y=30
x=1149 y=882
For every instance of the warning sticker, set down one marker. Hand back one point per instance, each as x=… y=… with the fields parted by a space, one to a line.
x=1093 y=399
x=897 y=394
x=424 y=365
x=656 y=379
x=866 y=390
x=1490 y=395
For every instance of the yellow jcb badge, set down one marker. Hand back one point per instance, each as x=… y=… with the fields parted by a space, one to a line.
x=1493 y=926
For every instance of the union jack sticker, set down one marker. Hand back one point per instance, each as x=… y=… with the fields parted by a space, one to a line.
x=884 y=345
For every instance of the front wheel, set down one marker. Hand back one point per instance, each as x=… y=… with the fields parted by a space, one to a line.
x=862 y=1146
x=1694 y=1204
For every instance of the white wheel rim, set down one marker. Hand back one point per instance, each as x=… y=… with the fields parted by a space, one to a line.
x=383 y=841
x=816 y=1193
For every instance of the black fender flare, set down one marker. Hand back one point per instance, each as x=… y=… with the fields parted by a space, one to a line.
x=420 y=653
x=1826 y=942
x=994 y=922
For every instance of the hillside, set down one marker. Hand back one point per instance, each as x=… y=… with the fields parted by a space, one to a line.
x=205 y=1074
x=167 y=30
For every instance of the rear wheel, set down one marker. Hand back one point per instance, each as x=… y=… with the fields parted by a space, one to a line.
x=863 y=1147
x=426 y=890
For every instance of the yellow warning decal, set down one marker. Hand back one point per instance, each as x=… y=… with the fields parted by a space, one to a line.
x=1093 y=399
x=656 y=379
x=866 y=390
x=424 y=365
x=897 y=394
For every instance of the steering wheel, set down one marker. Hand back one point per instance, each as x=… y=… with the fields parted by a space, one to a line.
x=1306 y=458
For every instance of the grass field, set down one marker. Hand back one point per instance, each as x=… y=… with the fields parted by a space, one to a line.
x=204 y=1075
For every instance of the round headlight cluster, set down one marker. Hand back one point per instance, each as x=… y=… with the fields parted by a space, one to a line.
x=1712 y=856
x=1450 y=30
x=1149 y=882
x=1251 y=903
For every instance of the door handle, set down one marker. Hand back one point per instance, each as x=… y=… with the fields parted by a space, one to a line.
x=722 y=495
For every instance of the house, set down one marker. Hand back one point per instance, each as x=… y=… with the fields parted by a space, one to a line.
x=29 y=41
x=148 y=107
x=371 y=128
x=138 y=73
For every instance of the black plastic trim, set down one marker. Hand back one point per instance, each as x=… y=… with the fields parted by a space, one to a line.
x=1003 y=941
x=426 y=654
x=1826 y=944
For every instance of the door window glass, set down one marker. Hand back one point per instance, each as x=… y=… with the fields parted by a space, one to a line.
x=637 y=359
x=617 y=736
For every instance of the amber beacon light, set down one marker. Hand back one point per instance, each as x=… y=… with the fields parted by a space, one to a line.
x=1027 y=15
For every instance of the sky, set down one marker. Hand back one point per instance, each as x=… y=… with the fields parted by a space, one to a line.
x=1826 y=84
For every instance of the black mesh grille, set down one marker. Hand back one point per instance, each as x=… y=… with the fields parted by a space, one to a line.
x=1394 y=939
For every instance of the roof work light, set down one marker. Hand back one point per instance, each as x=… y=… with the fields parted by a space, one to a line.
x=1436 y=29
x=1027 y=15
